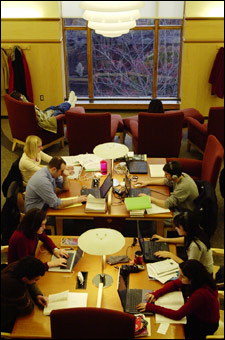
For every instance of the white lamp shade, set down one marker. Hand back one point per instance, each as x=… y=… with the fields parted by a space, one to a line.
x=110 y=150
x=111 y=34
x=111 y=17
x=111 y=6
x=101 y=241
x=111 y=26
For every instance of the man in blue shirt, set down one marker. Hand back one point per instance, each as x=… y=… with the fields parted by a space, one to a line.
x=43 y=186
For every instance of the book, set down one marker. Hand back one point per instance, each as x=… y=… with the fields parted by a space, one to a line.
x=139 y=212
x=95 y=204
x=155 y=209
x=65 y=299
x=141 y=326
x=137 y=203
x=69 y=241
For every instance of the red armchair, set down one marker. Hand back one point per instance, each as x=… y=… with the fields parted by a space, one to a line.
x=23 y=122
x=198 y=133
x=157 y=135
x=85 y=131
x=208 y=169
x=91 y=323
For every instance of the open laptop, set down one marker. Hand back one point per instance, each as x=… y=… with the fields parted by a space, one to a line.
x=149 y=247
x=134 y=192
x=137 y=167
x=130 y=298
x=74 y=257
x=99 y=192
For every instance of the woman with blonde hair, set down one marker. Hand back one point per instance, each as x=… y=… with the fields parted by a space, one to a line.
x=30 y=161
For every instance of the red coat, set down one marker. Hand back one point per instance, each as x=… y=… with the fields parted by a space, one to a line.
x=217 y=74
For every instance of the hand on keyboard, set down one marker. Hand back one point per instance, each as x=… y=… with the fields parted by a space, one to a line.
x=163 y=253
x=59 y=262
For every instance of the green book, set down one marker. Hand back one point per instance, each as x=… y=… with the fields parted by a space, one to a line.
x=135 y=203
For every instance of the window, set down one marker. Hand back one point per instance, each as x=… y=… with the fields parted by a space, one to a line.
x=145 y=63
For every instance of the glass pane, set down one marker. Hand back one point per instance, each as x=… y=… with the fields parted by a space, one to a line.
x=170 y=22
x=145 y=22
x=168 y=63
x=75 y=22
x=77 y=65
x=123 y=66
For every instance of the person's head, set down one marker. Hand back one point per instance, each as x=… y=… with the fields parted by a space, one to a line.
x=173 y=170
x=56 y=166
x=193 y=273
x=33 y=146
x=29 y=269
x=33 y=223
x=16 y=95
x=155 y=106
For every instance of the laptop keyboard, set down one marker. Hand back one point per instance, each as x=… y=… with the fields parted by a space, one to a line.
x=133 y=298
x=94 y=191
x=69 y=260
x=134 y=192
x=153 y=247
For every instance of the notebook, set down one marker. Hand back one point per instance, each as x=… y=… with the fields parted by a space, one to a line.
x=137 y=167
x=130 y=298
x=74 y=257
x=99 y=192
x=149 y=247
x=134 y=192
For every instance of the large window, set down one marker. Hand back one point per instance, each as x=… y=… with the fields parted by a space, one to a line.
x=144 y=63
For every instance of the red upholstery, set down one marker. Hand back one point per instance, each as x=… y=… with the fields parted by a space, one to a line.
x=23 y=122
x=91 y=323
x=157 y=135
x=198 y=133
x=208 y=169
x=85 y=131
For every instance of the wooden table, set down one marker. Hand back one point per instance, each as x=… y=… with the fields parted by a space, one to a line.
x=37 y=326
x=117 y=211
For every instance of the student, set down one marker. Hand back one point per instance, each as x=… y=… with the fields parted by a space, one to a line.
x=202 y=306
x=45 y=183
x=24 y=240
x=47 y=118
x=32 y=157
x=193 y=237
x=184 y=188
x=155 y=106
x=19 y=291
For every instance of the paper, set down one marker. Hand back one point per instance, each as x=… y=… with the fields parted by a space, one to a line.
x=155 y=209
x=164 y=267
x=163 y=279
x=173 y=300
x=72 y=205
x=156 y=170
x=136 y=203
x=163 y=327
x=65 y=299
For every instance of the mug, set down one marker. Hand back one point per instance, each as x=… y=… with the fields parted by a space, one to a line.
x=103 y=167
x=138 y=257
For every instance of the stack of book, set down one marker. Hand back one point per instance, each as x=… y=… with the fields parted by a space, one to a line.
x=137 y=205
x=163 y=271
x=95 y=204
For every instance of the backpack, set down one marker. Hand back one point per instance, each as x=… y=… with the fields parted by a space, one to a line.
x=206 y=207
x=13 y=175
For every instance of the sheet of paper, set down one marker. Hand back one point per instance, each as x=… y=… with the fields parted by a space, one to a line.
x=163 y=327
x=72 y=205
x=156 y=170
x=155 y=209
x=173 y=300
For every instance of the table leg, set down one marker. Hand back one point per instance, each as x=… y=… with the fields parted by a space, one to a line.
x=59 y=225
x=160 y=227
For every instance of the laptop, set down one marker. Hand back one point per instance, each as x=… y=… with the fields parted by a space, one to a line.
x=134 y=192
x=74 y=257
x=137 y=167
x=99 y=192
x=130 y=298
x=149 y=247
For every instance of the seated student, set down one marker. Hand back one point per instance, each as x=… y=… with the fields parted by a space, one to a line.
x=193 y=237
x=32 y=157
x=46 y=119
x=25 y=238
x=155 y=106
x=45 y=183
x=185 y=190
x=201 y=307
x=19 y=291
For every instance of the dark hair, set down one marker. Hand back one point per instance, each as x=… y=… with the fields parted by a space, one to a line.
x=16 y=95
x=190 y=222
x=197 y=274
x=173 y=168
x=29 y=267
x=56 y=162
x=31 y=222
x=155 y=106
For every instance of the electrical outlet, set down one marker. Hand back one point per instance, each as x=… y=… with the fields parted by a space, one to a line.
x=42 y=97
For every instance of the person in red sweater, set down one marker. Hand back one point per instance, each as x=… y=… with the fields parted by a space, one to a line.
x=201 y=305
x=25 y=238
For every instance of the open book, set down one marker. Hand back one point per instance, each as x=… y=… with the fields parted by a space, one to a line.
x=65 y=299
x=95 y=204
x=173 y=300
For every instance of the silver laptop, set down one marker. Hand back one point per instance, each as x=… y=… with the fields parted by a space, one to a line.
x=74 y=257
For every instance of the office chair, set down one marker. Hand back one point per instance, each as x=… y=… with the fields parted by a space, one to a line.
x=91 y=323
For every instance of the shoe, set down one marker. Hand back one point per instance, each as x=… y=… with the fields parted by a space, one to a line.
x=71 y=97
x=74 y=102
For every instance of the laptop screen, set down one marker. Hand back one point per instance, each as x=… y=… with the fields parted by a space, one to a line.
x=127 y=182
x=106 y=185
x=79 y=254
x=122 y=289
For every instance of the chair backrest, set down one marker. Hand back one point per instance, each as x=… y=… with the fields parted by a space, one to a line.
x=216 y=123
x=85 y=131
x=212 y=160
x=159 y=135
x=22 y=118
x=91 y=323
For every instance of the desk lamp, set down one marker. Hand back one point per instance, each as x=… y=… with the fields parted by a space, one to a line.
x=111 y=151
x=102 y=242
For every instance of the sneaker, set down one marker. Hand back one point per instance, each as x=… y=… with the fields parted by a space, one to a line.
x=71 y=97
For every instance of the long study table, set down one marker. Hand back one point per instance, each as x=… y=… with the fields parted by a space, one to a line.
x=37 y=326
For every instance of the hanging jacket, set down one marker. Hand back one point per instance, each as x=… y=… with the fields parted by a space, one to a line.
x=4 y=72
x=217 y=74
